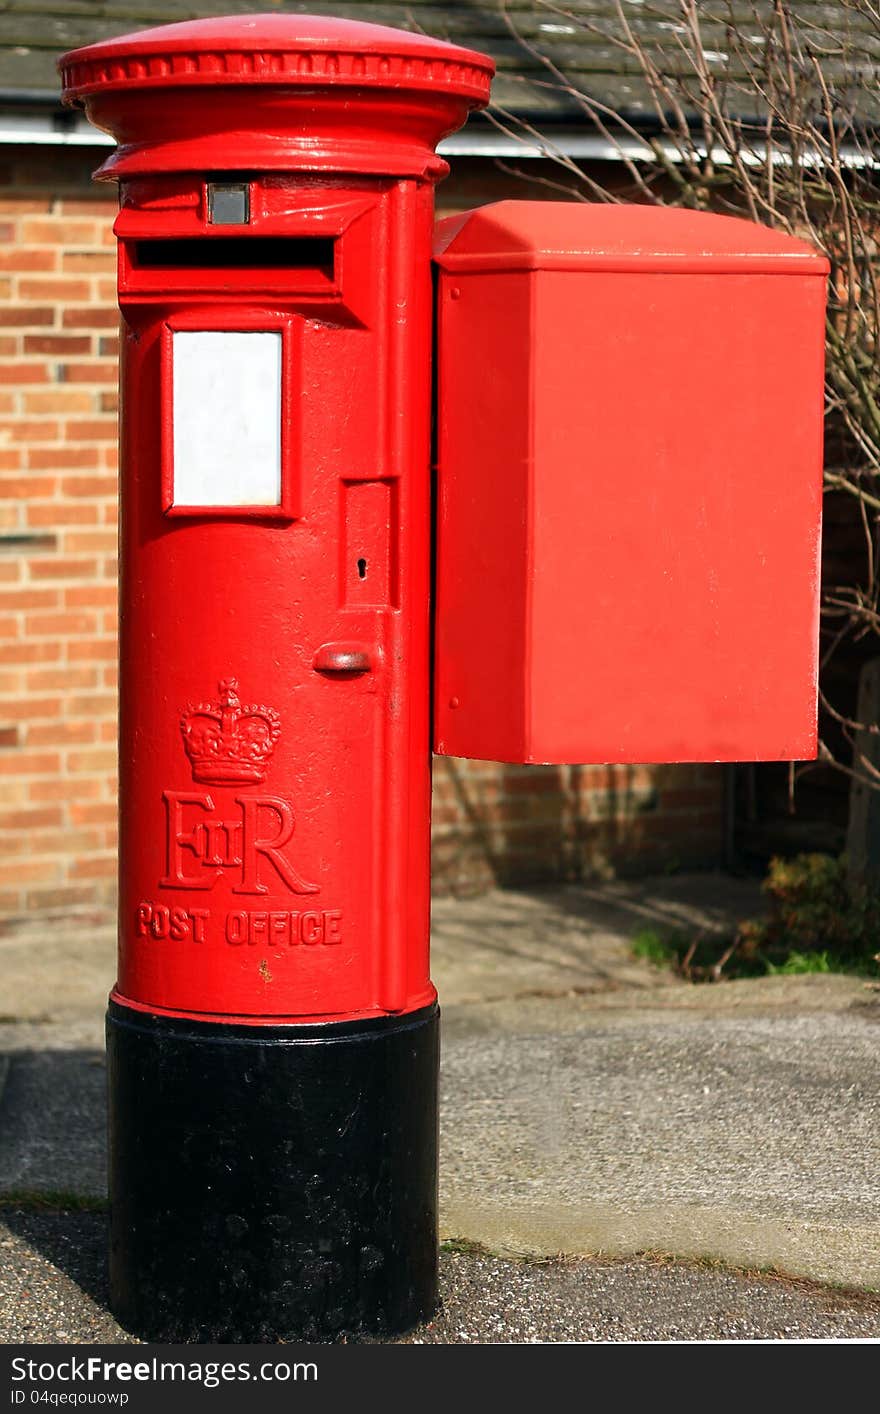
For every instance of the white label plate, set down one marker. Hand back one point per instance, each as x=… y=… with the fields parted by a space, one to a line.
x=226 y=396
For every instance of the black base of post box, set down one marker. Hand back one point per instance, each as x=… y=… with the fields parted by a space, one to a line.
x=272 y=1182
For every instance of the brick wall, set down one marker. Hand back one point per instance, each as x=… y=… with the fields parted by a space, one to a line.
x=58 y=347
x=497 y=824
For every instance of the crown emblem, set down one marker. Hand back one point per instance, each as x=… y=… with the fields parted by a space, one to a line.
x=228 y=744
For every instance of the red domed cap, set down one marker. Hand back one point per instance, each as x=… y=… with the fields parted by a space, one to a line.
x=277 y=92
x=288 y=49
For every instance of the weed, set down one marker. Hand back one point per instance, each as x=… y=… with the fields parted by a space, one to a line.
x=651 y=946
x=801 y=962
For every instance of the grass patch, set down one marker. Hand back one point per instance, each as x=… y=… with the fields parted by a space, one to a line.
x=817 y=921
x=651 y=946
x=699 y=957
x=798 y=964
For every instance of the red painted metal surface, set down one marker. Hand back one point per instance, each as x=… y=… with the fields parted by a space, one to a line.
x=276 y=93
x=630 y=446
x=275 y=694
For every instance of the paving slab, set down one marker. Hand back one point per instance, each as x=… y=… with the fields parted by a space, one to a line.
x=752 y=1136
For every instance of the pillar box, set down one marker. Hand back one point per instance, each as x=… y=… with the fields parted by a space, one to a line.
x=273 y=1033
x=629 y=442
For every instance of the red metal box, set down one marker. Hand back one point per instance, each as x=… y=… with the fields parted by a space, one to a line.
x=630 y=448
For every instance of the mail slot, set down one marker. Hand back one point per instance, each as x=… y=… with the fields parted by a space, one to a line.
x=630 y=447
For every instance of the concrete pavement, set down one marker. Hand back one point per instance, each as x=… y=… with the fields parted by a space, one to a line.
x=592 y=1107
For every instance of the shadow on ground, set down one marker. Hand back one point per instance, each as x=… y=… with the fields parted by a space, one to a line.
x=52 y=1120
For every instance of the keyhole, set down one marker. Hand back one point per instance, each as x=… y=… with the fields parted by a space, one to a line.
x=362 y=569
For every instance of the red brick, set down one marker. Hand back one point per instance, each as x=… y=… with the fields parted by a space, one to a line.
x=89 y=486
x=108 y=347
x=43 y=817
x=100 y=759
x=67 y=841
x=63 y=513
x=55 y=288
x=43 y=900
x=91 y=650
x=27 y=598
x=11 y=460
x=88 y=373
x=9 y=626
x=25 y=373
x=109 y=402
x=93 y=867
x=9 y=344
x=66 y=345
x=46 y=458
x=93 y=704
x=84 y=788
x=55 y=232
x=22 y=257
x=104 y=812
x=30 y=652
x=23 y=205
x=77 y=542
x=61 y=679
x=62 y=569
x=96 y=429
x=33 y=763
x=59 y=625
x=22 y=429
x=89 y=262
x=30 y=871
x=58 y=401
x=92 y=318
x=62 y=734
x=100 y=595
x=25 y=488
x=10 y=736
x=29 y=709
x=28 y=318
x=96 y=205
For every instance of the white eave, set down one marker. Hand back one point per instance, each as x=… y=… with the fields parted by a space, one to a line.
x=46 y=129
x=29 y=124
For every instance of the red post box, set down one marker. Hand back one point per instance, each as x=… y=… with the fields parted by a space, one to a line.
x=629 y=505
x=272 y=1035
